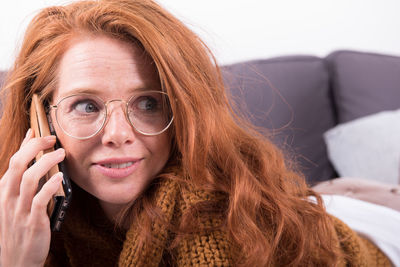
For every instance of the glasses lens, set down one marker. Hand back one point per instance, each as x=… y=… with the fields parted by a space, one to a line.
x=150 y=112
x=81 y=116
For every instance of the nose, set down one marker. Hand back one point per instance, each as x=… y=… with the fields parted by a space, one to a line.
x=118 y=130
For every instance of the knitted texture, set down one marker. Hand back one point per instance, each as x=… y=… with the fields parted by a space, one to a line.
x=150 y=254
x=85 y=245
x=82 y=244
x=206 y=248
x=358 y=251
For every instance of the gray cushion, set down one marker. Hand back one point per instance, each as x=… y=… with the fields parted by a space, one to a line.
x=364 y=83
x=289 y=96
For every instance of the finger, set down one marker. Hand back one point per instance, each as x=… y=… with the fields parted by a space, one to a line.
x=28 y=136
x=21 y=159
x=33 y=174
x=28 y=152
x=42 y=198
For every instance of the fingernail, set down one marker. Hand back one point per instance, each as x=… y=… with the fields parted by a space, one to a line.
x=50 y=138
x=61 y=151
x=58 y=177
x=28 y=133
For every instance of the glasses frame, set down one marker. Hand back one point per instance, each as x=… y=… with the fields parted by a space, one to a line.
x=105 y=120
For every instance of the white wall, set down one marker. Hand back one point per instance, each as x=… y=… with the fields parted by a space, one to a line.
x=246 y=29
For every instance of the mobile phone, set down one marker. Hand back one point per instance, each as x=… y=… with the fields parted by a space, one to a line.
x=42 y=126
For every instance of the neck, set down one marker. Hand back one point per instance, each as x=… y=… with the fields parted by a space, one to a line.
x=114 y=214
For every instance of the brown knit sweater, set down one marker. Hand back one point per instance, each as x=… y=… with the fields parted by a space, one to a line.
x=87 y=241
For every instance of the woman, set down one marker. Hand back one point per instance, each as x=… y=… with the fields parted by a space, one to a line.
x=163 y=172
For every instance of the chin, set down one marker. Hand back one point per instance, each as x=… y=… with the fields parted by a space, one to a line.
x=116 y=194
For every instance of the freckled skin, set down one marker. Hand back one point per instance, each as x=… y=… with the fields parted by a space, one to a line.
x=113 y=69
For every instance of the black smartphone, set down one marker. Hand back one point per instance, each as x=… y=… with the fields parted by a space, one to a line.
x=42 y=126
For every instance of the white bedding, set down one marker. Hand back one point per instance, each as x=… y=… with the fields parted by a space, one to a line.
x=379 y=224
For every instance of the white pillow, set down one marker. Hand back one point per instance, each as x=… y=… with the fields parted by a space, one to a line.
x=368 y=147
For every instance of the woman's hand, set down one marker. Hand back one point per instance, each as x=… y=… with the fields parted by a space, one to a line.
x=24 y=223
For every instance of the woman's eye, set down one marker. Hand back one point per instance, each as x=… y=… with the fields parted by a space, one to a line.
x=147 y=104
x=86 y=107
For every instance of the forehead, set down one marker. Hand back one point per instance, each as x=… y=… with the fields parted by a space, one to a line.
x=105 y=65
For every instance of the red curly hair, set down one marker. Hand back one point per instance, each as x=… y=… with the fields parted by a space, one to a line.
x=268 y=216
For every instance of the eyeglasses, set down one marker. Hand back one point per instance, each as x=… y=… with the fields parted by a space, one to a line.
x=82 y=116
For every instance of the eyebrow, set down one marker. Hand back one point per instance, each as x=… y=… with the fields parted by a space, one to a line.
x=94 y=91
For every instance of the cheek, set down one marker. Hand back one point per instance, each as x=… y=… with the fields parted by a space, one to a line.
x=66 y=142
x=72 y=150
x=76 y=150
x=160 y=147
x=71 y=145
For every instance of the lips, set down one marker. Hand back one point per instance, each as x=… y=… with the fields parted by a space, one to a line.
x=117 y=168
